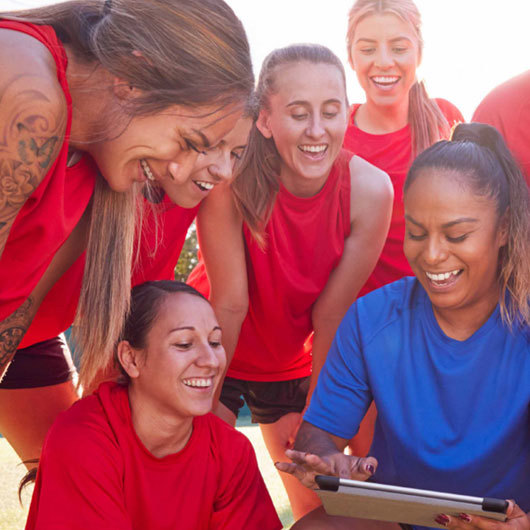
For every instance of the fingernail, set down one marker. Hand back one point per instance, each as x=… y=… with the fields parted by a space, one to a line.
x=370 y=469
x=465 y=517
x=442 y=519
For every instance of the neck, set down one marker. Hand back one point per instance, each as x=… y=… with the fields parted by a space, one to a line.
x=460 y=324
x=161 y=432
x=377 y=119
x=302 y=187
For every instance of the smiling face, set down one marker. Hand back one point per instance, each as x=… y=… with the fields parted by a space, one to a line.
x=183 y=359
x=452 y=243
x=164 y=148
x=307 y=118
x=385 y=54
x=216 y=164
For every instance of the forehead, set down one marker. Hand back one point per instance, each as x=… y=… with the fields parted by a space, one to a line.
x=446 y=193
x=183 y=309
x=384 y=26
x=209 y=122
x=306 y=81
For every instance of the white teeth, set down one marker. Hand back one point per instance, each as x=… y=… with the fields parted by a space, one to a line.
x=442 y=276
x=314 y=148
x=196 y=382
x=383 y=79
x=147 y=170
x=204 y=185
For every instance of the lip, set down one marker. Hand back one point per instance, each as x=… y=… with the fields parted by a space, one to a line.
x=314 y=156
x=211 y=380
x=383 y=83
x=202 y=190
x=444 y=284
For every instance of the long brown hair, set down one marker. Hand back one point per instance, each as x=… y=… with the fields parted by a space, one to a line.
x=427 y=122
x=256 y=183
x=478 y=154
x=191 y=53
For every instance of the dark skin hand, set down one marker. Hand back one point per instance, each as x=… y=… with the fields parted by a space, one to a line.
x=317 y=452
x=516 y=520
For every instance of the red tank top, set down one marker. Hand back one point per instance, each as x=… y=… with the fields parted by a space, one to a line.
x=392 y=153
x=305 y=240
x=54 y=208
x=158 y=255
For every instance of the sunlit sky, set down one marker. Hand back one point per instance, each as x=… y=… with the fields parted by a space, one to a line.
x=470 y=45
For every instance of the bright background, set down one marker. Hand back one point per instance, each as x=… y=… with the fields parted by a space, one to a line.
x=470 y=45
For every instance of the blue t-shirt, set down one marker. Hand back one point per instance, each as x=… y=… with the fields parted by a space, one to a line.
x=452 y=415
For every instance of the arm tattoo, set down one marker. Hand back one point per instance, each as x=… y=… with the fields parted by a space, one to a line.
x=31 y=134
x=12 y=329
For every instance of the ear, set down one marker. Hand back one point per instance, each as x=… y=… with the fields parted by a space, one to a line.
x=263 y=124
x=123 y=90
x=129 y=358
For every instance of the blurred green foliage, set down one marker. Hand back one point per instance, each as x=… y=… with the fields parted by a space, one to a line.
x=188 y=256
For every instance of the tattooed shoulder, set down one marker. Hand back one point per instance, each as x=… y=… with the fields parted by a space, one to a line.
x=33 y=116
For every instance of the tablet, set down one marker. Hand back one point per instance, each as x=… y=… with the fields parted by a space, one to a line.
x=368 y=500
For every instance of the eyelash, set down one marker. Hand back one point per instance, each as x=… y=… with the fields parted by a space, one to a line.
x=458 y=239
x=193 y=147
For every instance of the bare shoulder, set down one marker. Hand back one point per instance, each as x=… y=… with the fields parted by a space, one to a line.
x=33 y=117
x=369 y=182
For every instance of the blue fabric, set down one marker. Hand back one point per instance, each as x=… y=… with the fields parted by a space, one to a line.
x=452 y=415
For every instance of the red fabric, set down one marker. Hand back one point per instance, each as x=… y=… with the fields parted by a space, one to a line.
x=507 y=108
x=96 y=473
x=392 y=153
x=54 y=208
x=305 y=239
x=159 y=252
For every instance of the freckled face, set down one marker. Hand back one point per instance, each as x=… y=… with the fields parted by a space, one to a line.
x=307 y=119
x=385 y=54
x=452 y=242
x=164 y=148
x=184 y=358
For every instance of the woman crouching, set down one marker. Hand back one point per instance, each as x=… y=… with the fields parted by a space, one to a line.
x=146 y=453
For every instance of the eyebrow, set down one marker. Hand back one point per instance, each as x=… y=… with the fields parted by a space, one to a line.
x=191 y=328
x=302 y=102
x=445 y=225
x=205 y=141
x=365 y=39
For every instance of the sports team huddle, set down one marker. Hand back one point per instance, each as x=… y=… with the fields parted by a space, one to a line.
x=363 y=276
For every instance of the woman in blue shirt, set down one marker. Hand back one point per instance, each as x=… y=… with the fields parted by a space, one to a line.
x=445 y=356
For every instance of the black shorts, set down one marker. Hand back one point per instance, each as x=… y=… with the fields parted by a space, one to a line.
x=45 y=363
x=267 y=401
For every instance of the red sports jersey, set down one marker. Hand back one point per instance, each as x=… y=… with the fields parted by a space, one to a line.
x=53 y=210
x=507 y=108
x=95 y=473
x=392 y=153
x=164 y=231
x=305 y=239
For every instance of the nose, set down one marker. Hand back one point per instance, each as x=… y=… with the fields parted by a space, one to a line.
x=383 y=58
x=435 y=251
x=208 y=356
x=221 y=168
x=182 y=167
x=316 y=127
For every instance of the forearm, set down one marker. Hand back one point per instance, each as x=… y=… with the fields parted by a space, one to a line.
x=12 y=331
x=322 y=339
x=311 y=439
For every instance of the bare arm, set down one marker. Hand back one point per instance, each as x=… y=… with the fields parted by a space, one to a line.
x=220 y=232
x=32 y=122
x=371 y=209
